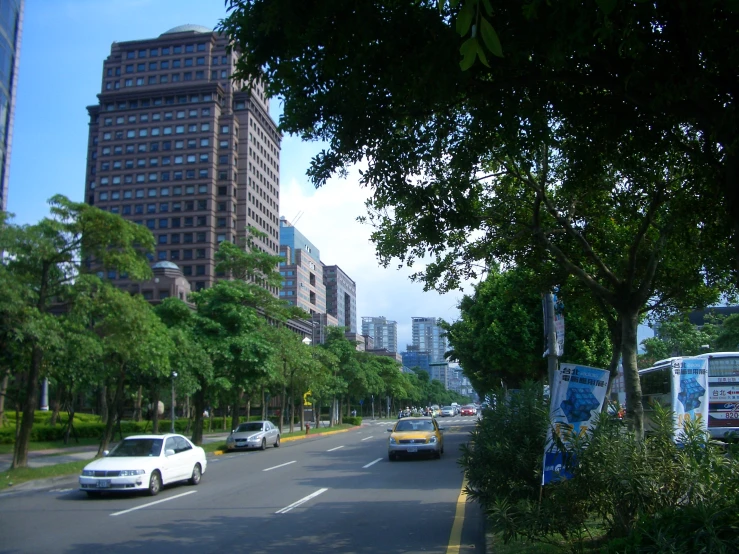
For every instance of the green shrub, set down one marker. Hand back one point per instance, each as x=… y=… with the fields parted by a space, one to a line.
x=352 y=420
x=503 y=461
x=658 y=495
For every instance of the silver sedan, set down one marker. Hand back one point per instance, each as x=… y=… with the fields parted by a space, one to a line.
x=254 y=434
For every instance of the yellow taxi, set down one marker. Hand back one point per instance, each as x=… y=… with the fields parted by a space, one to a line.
x=415 y=435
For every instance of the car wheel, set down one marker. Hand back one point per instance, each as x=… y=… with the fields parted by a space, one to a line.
x=264 y=444
x=277 y=441
x=196 y=475
x=391 y=457
x=155 y=483
x=93 y=494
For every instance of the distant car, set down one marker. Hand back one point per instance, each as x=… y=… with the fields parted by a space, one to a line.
x=415 y=435
x=468 y=411
x=448 y=411
x=255 y=434
x=144 y=463
x=435 y=410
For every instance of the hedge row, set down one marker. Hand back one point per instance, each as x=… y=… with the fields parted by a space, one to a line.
x=94 y=430
x=356 y=420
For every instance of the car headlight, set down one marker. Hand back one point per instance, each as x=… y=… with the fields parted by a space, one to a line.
x=88 y=473
x=131 y=472
x=392 y=441
x=432 y=440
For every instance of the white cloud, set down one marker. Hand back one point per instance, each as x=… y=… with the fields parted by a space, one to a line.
x=329 y=221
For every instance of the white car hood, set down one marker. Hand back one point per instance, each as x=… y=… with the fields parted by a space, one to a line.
x=124 y=462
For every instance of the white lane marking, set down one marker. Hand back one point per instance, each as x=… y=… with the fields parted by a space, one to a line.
x=367 y=438
x=301 y=501
x=153 y=503
x=281 y=465
x=371 y=463
x=60 y=490
x=332 y=449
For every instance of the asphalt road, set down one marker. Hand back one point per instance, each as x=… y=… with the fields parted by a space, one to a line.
x=335 y=493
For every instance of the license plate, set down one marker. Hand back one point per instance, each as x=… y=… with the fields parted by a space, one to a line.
x=412 y=449
x=103 y=483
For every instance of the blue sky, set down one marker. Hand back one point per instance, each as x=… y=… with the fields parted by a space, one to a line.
x=63 y=47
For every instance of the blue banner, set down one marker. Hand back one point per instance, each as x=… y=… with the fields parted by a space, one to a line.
x=689 y=392
x=577 y=396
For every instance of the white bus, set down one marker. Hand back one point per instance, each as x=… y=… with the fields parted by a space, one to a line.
x=723 y=391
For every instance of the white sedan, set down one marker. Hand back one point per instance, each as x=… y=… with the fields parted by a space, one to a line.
x=145 y=462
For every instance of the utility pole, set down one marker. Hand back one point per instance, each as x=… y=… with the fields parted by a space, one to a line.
x=551 y=337
x=174 y=376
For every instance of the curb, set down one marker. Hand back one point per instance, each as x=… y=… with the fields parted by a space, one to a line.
x=299 y=438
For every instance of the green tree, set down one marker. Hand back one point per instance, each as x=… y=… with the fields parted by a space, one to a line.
x=47 y=258
x=133 y=340
x=548 y=143
x=190 y=357
x=728 y=335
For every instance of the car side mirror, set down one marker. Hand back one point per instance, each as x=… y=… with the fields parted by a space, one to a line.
x=441 y=429
x=389 y=430
x=169 y=452
x=105 y=453
x=232 y=431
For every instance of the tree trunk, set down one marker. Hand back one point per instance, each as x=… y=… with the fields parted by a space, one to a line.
x=197 y=429
x=137 y=404
x=341 y=411
x=56 y=403
x=292 y=406
x=264 y=405
x=117 y=401
x=70 y=424
x=103 y=400
x=248 y=407
x=20 y=451
x=302 y=412
x=155 y=409
x=616 y=333
x=634 y=407
x=3 y=392
x=282 y=407
x=236 y=408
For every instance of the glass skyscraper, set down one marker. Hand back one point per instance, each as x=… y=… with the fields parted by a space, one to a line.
x=11 y=19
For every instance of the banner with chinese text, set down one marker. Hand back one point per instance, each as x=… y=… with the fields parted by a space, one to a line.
x=577 y=396
x=689 y=391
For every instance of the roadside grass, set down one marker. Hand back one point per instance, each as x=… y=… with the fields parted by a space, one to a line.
x=49 y=445
x=18 y=476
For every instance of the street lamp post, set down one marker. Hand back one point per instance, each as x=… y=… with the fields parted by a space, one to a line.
x=174 y=376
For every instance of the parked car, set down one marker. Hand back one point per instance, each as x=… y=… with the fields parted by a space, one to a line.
x=468 y=411
x=414 y=436
x=144 y=463
x=448 y=411
x=254 y=434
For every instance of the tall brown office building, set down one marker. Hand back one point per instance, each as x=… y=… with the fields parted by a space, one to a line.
x=176 y=145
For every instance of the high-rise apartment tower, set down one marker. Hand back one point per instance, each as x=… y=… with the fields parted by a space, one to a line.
x=341 y=297
x=382 y=331
x=427 y=336
x=175 y=144
x=11 y=23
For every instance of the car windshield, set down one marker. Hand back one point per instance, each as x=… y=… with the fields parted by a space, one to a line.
x=137 y=448
x=417 y=425
x=448 y=408
x=246 y=427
